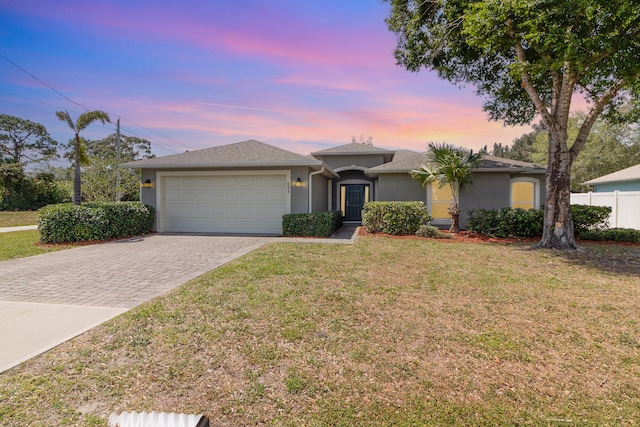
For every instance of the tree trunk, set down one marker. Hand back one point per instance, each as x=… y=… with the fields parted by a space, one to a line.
x=558 y=225
x=77 y=192
x=454 y=211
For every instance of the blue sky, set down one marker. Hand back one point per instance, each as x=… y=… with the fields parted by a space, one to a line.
x=194 y=74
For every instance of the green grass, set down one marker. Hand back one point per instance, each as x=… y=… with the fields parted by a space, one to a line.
x=387 y=332
x=19 y=244
x=12 y=219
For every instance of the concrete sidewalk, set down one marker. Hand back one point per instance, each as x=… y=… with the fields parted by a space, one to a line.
x=18 y=228
x=48 y=299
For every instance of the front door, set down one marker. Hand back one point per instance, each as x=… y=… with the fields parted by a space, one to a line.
x=354 y=201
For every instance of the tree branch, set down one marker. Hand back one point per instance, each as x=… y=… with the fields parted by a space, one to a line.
x=594 y=113
x=526 y=79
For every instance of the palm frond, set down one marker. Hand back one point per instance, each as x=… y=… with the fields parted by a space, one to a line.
x=65 y=117
x=89 y=117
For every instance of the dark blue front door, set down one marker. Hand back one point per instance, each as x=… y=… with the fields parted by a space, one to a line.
x=354 y=201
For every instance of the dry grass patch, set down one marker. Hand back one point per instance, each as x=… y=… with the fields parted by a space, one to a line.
x=385 y=332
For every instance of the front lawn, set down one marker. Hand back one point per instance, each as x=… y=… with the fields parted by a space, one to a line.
x=387 y=332
x=19 y=244
x=12 y=219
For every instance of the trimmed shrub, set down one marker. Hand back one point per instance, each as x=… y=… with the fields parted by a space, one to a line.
x=397 y=218
x=317 y=224
x=432 y=232
x=612 y=235
x=506 y=222
x=94 y=221
x=587 y=217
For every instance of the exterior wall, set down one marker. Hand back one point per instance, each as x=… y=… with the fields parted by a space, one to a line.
x=617 y=186
x=487 y=191
x=319 y=194
x=148 y=195
x=300 y=195
x=366 y=161
x=400 y=187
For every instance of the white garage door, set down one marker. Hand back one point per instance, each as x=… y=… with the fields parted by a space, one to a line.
x=225 y=203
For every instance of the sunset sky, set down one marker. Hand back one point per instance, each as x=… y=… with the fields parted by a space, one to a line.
x=300 y=75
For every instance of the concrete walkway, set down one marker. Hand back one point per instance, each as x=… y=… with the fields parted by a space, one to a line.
x=18 y=228
x=50 y=298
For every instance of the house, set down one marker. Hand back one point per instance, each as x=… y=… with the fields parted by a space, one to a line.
x=246 y=187
x=623 y=180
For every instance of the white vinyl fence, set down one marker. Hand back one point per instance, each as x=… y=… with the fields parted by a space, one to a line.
x=625 y=206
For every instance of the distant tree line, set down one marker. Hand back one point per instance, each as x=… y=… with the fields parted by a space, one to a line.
x=28 y=181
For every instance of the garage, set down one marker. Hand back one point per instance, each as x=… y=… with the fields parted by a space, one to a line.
x=224 y=202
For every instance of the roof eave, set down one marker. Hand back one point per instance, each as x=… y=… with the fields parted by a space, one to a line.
x=134 y=165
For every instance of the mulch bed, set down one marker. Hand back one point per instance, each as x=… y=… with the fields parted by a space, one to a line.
x=471 y=237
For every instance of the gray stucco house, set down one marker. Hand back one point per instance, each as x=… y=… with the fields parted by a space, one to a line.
x=246 y=187
x=623 y=180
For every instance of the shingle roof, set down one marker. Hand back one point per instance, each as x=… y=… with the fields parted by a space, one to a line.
x=352 y=148
x=245 y=153
x=629 y=174
x=408 y=162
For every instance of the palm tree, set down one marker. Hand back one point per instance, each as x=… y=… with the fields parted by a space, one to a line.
x=83 y=121
x=449 y=165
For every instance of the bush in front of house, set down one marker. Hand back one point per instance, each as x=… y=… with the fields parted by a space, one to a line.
x=316 y=224
x=587 y=218
x=612 y=235
x=397 y=218
x=432 y=232
x=508 y=222
x=67 y=222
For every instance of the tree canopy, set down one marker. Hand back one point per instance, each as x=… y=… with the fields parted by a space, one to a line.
x=99 y=175
x=529 y=58
x=23 y=141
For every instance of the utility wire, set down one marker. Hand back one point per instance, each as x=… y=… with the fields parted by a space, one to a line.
x=87 y=109
x=43 y=82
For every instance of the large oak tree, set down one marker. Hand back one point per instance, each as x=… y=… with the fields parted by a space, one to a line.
x=531 y=58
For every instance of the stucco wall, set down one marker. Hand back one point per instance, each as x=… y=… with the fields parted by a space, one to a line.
x=319 y=194
x=400 y=187
x=490 y=190
x=300 y=195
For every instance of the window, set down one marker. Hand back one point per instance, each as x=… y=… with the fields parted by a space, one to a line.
x=524 y=193
x=440 y=201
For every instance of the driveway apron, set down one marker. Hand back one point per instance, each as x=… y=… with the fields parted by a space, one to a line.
x=50 y=298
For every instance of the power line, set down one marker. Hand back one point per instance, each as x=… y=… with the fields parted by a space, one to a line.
x=87 y=109
x=43 y=82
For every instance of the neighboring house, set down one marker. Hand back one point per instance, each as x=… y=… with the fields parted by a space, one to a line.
x=623 y=180
x=246 y=187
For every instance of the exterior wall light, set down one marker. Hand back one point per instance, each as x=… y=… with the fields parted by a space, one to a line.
x=146 y=184
x=298 y=182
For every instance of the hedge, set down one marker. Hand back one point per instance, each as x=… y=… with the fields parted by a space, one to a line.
x=612 y=235
x=397 y=218
x=67 y=222
x=317 y=224
x=508 y=222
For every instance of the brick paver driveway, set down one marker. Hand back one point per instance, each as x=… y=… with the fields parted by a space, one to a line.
x=50 y=298
x=122 y=273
